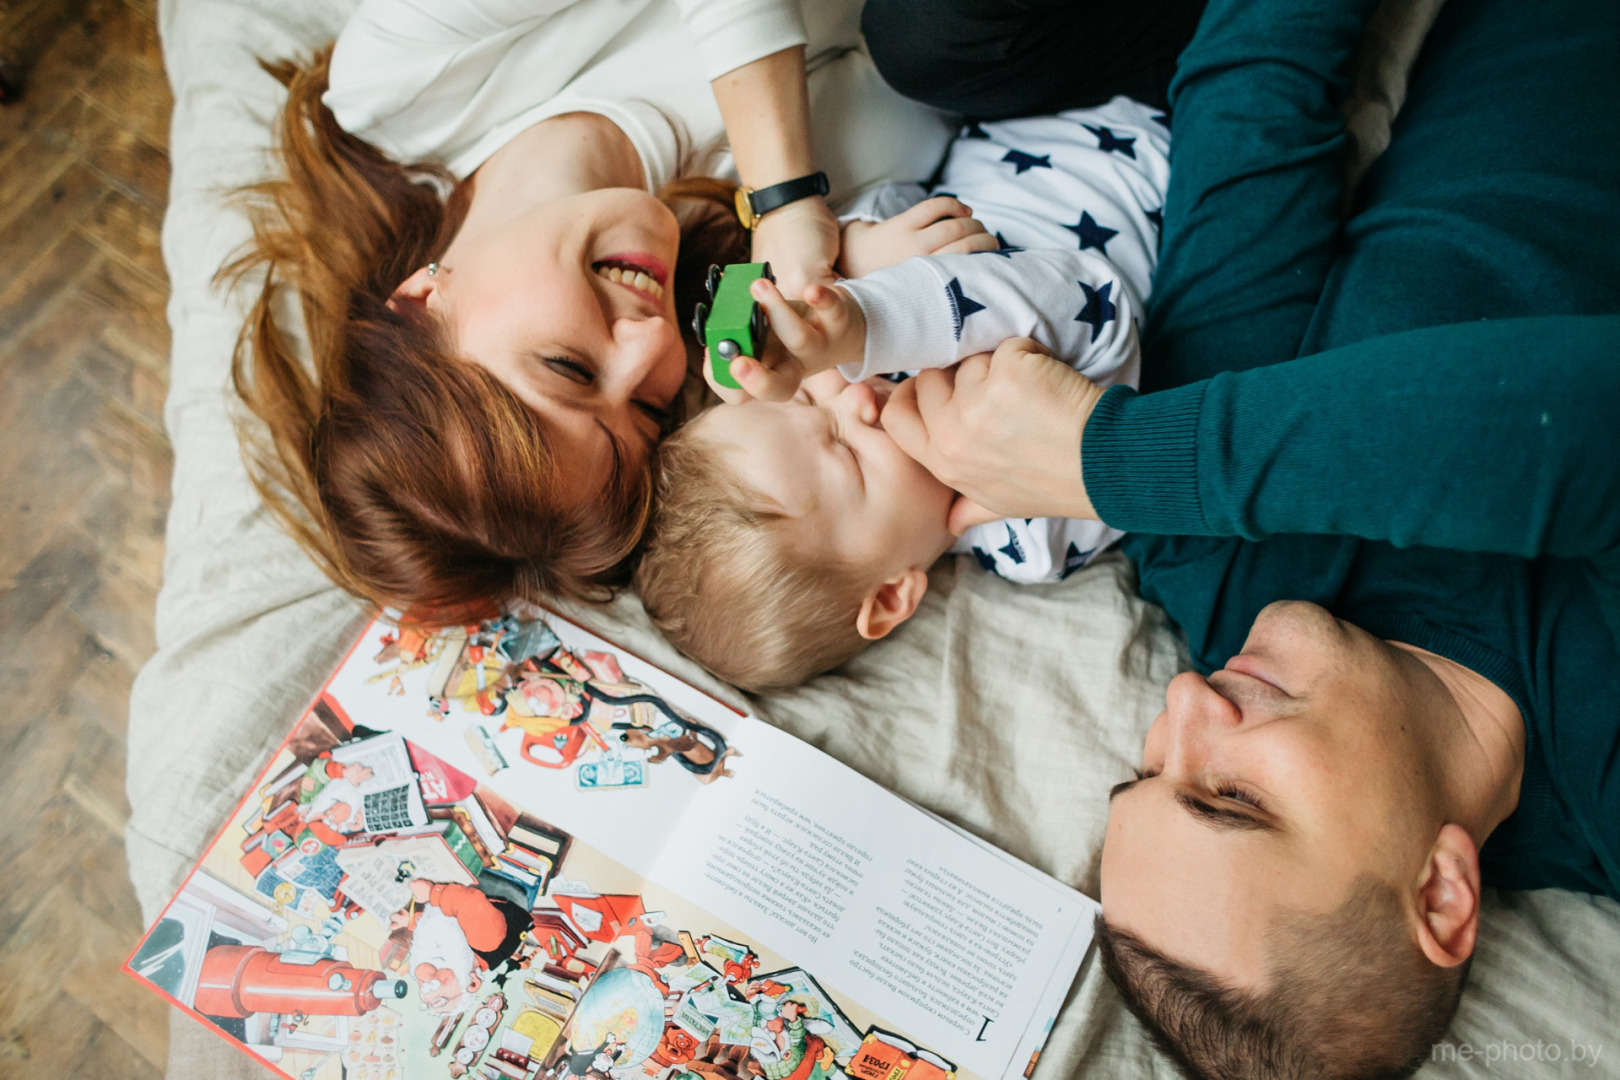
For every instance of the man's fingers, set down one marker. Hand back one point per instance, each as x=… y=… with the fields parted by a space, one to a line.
x=904 y=423
x=965 y=513
x=1019 y=346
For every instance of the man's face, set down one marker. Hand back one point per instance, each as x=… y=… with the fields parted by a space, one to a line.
x=1274 y=784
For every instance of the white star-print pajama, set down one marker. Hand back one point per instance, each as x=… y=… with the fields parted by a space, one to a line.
x=1075 y=200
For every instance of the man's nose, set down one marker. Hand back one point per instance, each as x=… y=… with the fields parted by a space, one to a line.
x=1195 y=716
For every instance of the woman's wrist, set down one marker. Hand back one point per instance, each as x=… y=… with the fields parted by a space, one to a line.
x=766 y=109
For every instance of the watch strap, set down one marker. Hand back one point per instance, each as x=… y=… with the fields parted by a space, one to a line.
x=764 y=200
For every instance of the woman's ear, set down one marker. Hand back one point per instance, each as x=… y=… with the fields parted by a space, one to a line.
x=891 y=604
x=1448 y=898
x=414 y=292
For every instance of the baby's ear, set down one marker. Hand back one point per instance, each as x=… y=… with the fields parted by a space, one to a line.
x=891 y=604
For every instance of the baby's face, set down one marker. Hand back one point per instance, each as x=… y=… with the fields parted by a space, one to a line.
x=826 y=460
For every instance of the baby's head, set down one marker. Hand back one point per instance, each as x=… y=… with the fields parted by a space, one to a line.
x=785 y=536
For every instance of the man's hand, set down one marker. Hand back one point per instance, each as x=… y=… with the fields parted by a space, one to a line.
x=1003 y=429
x=807 y=337
x=942 y=225
x=800 y=241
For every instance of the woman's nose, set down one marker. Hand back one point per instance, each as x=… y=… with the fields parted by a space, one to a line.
x=642 y=346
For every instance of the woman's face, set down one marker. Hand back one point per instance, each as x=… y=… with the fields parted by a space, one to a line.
x=572 y=306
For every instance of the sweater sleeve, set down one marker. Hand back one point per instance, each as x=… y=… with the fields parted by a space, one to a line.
x=1488 y=436
x=1252 y=216
x=935 y=310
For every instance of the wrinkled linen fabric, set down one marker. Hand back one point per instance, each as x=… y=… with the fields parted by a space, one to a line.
x=1008 y=710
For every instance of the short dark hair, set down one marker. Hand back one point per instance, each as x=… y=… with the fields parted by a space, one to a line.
x=1352 y=997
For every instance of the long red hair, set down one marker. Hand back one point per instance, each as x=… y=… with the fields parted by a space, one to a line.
x=415 y=478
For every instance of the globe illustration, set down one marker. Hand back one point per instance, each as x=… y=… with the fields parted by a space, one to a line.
x=626 y=1004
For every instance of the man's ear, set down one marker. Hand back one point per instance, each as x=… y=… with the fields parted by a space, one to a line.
x=891 y=604
x=1448 y=898
x=414 y=292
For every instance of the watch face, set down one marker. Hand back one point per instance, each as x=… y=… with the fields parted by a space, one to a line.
x=745 y=209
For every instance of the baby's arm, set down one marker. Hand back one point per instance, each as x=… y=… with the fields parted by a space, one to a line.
x=934 y=311
x=936 y=226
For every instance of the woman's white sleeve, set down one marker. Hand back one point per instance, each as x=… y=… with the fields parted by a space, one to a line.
x=731 y=33
x=935 y=310
x=418 y=78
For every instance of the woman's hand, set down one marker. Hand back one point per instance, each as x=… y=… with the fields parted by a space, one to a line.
x=1003 y=429
x=800 y=241
x=942 y=225
x=819 y=333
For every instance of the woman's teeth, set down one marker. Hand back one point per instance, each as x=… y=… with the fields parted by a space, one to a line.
x=634 y=278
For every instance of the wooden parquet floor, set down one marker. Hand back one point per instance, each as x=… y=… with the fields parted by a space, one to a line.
x=84 y=481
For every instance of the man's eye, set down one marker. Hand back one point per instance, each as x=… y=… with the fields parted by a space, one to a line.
x=571 y=369
x=1239 y=795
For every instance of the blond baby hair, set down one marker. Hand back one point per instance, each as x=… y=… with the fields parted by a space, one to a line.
x=722 y=578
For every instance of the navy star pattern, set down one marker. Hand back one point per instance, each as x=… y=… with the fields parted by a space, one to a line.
x=1109 y=143
x=1155 y=216
x=1022 y=162
x=1099 y=309
x=1012 y=549
x=962 y=305
x=985 y=560
x=1091 y=234
x=1073 y=559
x=972 y=130
x=1163 y=120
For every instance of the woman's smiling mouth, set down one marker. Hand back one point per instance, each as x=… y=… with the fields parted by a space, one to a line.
x=641 y=274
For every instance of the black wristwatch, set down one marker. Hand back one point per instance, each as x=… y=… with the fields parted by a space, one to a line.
x=753 y=205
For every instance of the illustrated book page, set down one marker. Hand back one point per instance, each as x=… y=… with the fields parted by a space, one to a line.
x=512 y=850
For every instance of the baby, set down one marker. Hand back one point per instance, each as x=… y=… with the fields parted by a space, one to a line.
x=787 y=533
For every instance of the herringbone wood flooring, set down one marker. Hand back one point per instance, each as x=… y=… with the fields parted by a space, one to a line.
x=84 y=478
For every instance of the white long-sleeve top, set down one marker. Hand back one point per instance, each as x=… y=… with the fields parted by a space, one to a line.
x=453 y=81
x=1074 y=199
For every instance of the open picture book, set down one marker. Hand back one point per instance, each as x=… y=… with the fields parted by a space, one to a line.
x=512 y=850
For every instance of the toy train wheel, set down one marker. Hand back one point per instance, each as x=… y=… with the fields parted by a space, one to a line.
x=712 y=281
x=759 y=326
x=700 y=320
x=768 y=275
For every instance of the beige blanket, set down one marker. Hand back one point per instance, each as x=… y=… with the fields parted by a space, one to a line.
x=1009 y=710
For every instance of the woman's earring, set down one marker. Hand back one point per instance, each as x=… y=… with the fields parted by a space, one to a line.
x=433 y=269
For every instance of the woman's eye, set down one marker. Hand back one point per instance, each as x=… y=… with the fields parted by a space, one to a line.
x=571 y=369
x=660 y=416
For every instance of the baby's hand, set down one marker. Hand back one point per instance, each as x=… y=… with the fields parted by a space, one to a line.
x=807 y=337
x=938 y=226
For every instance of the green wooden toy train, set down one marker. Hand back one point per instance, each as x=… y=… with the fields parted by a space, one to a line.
x=732 y=324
